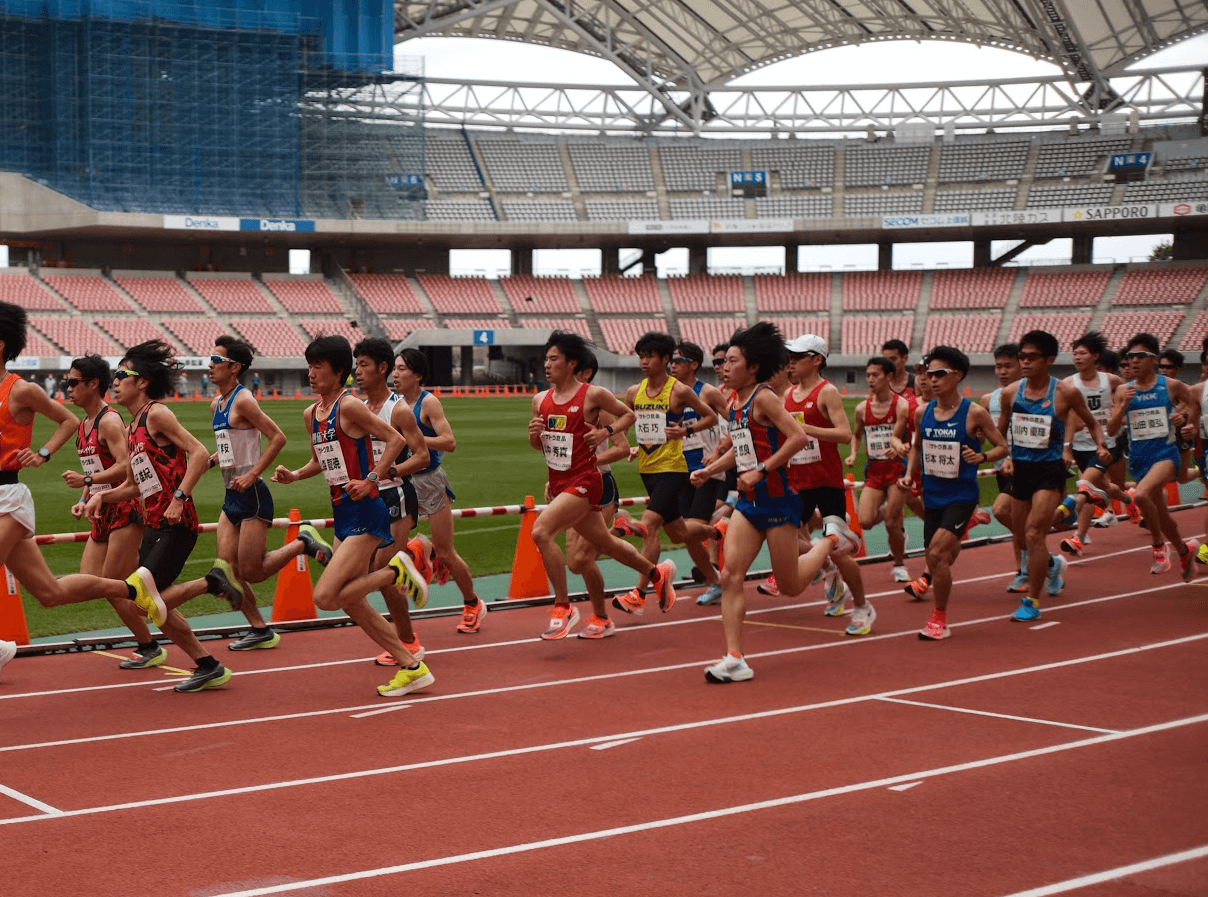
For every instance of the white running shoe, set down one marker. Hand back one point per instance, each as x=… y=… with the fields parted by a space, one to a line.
x=8 y=650
x=848 y=542
x=729 y=669
x=900 y=574
x=862 y=619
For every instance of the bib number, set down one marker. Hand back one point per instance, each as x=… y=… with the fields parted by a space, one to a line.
x=92 y=467
x=941 y=459
x=331 y=463
x=651 y=427
x=226 y=451
x=811 y=453
x=878 y=442
x=744 y=449
x=558 y=447
x=1148 y=423
x=1031 y=431
x=693 y=442
x=145 y=476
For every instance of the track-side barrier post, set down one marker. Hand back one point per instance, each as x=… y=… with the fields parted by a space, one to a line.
x=12 y=614
x=528 y=572
x=294 y=599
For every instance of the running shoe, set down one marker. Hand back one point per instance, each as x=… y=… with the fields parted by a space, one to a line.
x=143 y=660
x=1068 y=509
x=203 y=679
x=471 y=617
x=414 y=648
x=420 y=548
x=1134 y=513
x=254 y=641
x=1185 y=562
x=980 y=517
x=316 y=546
x=919 y=588
x=767 y=587
x=1202 y=554
x=562 y=620
x=623 y=524
x=440 y=572
x=934 y=631
x=1072 y=545
x=836 y=594
x=845 y=540
x=729 y=669
x=8 y=650
x=1093 y=493
x=721 y=525
x=1055 y=580
x=664 y=589
x=598 y=627
x=862 y=618
x=1104 y=520
x=146 y=596
x=1026 y=612
x=222 y=583
x=632 y=602
x=1019 y=584
x=900 y=574
x=406 y=681
x=1161 y=562
x=711 y=595
x=407 y=579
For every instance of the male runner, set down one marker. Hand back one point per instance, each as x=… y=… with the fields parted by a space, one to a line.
x=903 y=381
x=340 y=429
x=1006 y=371
x=564 y=428
x=1036 y=409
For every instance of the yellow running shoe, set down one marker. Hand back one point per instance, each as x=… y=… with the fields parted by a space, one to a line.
x=408 y=579
x=146 y=596
x=406 y=681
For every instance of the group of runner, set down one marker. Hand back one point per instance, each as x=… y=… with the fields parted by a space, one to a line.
x=754 y=461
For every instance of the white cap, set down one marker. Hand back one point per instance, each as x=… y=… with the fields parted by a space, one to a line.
x=807 y=342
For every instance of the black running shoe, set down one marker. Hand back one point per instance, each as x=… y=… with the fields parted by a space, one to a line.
x=143 y=660
x=316 y=545
x=203 y=679
x=256 y=640
x=221 y=581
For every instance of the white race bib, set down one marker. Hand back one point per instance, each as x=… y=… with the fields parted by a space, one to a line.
x=226 y=451
x=1031 y=431
x=941 y=459
x=651 y=427
x=811 y=453
x=878 y=441
x=693 y=440
x=558 y=446
x=744 y=449
x=93 y=467
x=331 y=463
x=1148 y=423
x=145 y=476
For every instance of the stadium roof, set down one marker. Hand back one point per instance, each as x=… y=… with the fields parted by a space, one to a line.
x=681 y=49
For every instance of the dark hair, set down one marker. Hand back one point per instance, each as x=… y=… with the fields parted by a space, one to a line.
x=1109 y=359
x=896 y=345
x=1093 y=341
x=762 y=345
x=655 y=343
x=1042 y=340
x=721 y=347
x=335 y=351
x=13 y=321
x=951 y=356
x=1006 y=350
x=93 y=367
x=591 y=366
x=881 y=362
x=1148 y=340
x=378 y=350
x=691 y=351
x=1174 y=356
x=239 y=351
x=155 y=362
x=572 y=346
x=417 y=363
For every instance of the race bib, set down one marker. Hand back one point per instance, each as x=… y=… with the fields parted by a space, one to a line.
x=744 y=449
x=226 y=451
x=145 y=476
x=941 y=459
x=331 y=463
x=651 y=427
x=1031 y=431
x=92 y=467
x=811 y=453
x=1148 y=423
x=557 y=446
x=694 y=442
x=878 y=442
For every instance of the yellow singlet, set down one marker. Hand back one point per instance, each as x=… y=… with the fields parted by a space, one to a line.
x=656 y=453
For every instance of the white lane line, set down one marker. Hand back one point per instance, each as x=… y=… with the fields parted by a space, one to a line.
x=905 y=787
x=699 y=664
x=1018 y=719
x=616 y=736
x=611 y=744
x=1085 y=881
x=1046 y=625
x=30 y=801
x=722 y=813
x=382 y=710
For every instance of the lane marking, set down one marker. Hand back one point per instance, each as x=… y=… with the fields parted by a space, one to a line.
x=381 y=710
x=741 y=809
x=1018 y=719
x=792 y=626
x=905 y=787
x=590 y=740
x=1046 y=625
x=611 y=744
x=171 y=671
x=30 y=801
x=1084 y=881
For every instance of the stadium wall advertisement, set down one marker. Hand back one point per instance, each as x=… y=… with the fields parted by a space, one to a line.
x=258 y=225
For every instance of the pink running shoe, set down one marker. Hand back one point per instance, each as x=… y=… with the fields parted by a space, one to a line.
x=1161 y=561
x=768 y=587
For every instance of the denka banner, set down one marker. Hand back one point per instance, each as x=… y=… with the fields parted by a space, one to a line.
x=200 y=222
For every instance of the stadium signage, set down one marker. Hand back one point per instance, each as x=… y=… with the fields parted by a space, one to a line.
x=956 y=219
x=200 y=222
x=277 y=225
x=1011 y=217
x=1112 y=213
x=1183 y=209
x=668 y=227
x=1129 y=160
x=759 y=225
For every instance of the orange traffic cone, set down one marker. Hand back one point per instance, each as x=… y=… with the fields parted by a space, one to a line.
x=528 y=571
x=853 y=516
x=294 y=598
x=12 y=614
x=1172 y=495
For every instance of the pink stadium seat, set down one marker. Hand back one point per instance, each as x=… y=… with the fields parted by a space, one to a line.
x=129 y=332
x=232 y=295
x=75 y=336
x=795 y=327
x=198 y=334
x=864 y=335
x=969 y=333
x=478 y=323
x=271 y=336
x=1193 y=339
x=550 y=295
x=87 y=292
x=459 y=295
x=305 y=297
x=21 y=289
x=1066 y=327
x=388 y=294
x=708 y=332
x=881 y=290
x=1055 y=289
x=398 y=329
x=794 y=291
x=1159 y=285
x=38 y=345
x=620 y=334
x=613 y=294
x=315 y=327
x=706 y=292
x=574 y=325
x=160 y=294
x=971 y=288
x=1120 y=326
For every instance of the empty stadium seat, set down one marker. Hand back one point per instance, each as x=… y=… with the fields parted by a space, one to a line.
x=706 y=292
x=612 y=293
x=271 y=336
x=1054 y=289
x=477 y=324
x=611 y=167
x=388 y=294
x=1119 y=327
x=128 y=332
x=197 y=334
x=459 y=295
x=75 y=336
x=1066 y=327
x=620 y=334
x=19 y=288
x=540 y=295
x=708 y=332
x=793 y=327
x=971 y=288
x=304 y=297
x=969 y=333
x=159 y=294
x=398 y=329
x=87 y=292
x=792 y=292
x=573 y=325
x=232 y=294
x=1160 y=285
x=865 y=334
x=1193 y=339
x=881 y=290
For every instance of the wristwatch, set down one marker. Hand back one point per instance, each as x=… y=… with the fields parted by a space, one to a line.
x=392 y=472
x=180 y=494
x=88 y=481
x=762 y=468
x=372 y=476
x=44 y=453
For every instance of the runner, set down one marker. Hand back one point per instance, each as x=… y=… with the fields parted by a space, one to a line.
x=1006 y=371
x=1036 y=409
x=659 y=402
x=112 y=547
x=765 y=436
x=340 y=429
x=564 y=428
x=1147 y=403
x=432 y=489
x=880 y=421
x=948 y=452
x=903 y=382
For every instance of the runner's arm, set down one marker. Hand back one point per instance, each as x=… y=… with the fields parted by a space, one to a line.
x=840 y=429
x=403 y=420
x=250 y=411
x=444 y=440
x=27 y=396
x=857 y=433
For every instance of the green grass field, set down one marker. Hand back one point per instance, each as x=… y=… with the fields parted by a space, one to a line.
x=493 y=465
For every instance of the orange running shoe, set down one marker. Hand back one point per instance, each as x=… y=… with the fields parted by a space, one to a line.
x=471 y=617
x=598 y=627
x=664 y=588
x=632 y=602
x=721 y=526
x=421 y=552
x=386 y=659
x=562 y=620
x=440 y=572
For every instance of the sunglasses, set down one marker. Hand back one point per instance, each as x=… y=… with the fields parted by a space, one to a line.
x=1135 y=355
x=1167 y=366
x=72 y=382
x=680 y=359
x=940 y=373
x=219 y=359
x=1029 y=356
x=718 y=362
x=123 y=373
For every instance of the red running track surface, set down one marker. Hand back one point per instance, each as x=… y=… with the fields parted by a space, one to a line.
x=1011 y=759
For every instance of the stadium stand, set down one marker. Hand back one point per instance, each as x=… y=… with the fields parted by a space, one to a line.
x=38 y=345
x=1075 y=157
x=1119 y=326
x=1055 y=289
x=611 y=168
x=315 y=327
x=459 y=210
x=271 y=337
x=1184 y=163
x=707 y=207
x=231 y=294
x=706 y=293
x=795 y=327
x=792 y=292
x=74 y=336
x=539 y=210
x=894 y=165
x=159 y=294
x=865 y=334
x=478 y=324
x=983 y=160
x=1083 y=195
x=622 y=209
x=620 y=334
x=540 y=295
x=19 y=288
x=87 y=292
x=804 y=164
x=1193 y=339
x=197 y=334
x=127 y=332
x=613 y=294
x=450 y=165
x=573 y=325
x=304 y=297
x=1066 y=327
x=690 y=166
x=974 y=200
x=708 y=332
x=972 y=333
x=866 y=205
x=881 y=290
x=1160 y=286
x=459 y=295
x=528 y=166
x=387 y=294
x=793 y=207
x=971 y=288
x=1169 y=190
x=398 y=329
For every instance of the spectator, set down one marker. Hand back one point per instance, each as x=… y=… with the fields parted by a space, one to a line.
x=50 y=384
x=205 y=384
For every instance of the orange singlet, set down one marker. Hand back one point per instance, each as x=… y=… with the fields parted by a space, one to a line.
x=13 y=436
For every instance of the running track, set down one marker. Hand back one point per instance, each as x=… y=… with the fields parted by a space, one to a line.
x=1067 y=757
